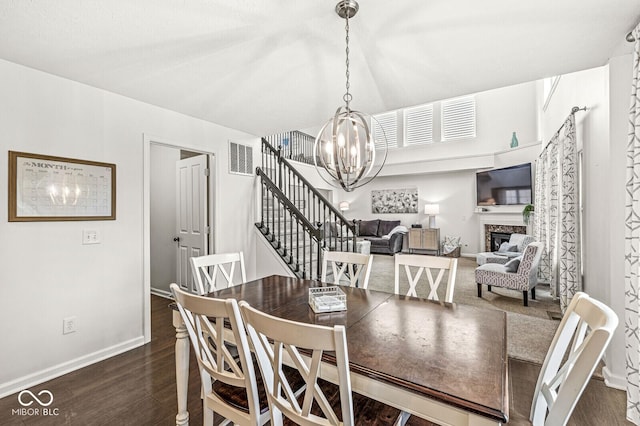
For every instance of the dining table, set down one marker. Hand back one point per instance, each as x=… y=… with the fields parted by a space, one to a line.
x=444 y=362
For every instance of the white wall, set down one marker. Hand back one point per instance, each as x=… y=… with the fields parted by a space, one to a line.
x=455 y=192
x=47 y=274
x=499 y=113
x=601 y=132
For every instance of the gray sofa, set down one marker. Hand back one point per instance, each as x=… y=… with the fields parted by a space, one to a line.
x=377 y=231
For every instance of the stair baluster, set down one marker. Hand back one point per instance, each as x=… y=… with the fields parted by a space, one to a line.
x=318 y=224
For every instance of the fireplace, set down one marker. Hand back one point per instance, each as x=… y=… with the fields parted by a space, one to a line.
x=502 y=234
x=497 y=238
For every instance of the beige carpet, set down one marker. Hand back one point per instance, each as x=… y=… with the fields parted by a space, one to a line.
x=529 y=329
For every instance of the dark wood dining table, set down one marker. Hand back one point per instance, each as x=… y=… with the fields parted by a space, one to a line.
x=444 y=362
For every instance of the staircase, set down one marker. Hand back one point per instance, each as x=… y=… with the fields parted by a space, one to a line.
x=296 y=219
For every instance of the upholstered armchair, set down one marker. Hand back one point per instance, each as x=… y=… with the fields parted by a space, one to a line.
x=517 y=274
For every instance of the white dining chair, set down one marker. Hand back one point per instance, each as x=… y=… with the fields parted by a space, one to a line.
x=207 y=270
x=427 y=265
x=223 y=373
x=276 y=341
x=347 y=267
x=587 y=326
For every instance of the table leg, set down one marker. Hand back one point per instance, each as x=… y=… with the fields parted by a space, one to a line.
x=182 y=368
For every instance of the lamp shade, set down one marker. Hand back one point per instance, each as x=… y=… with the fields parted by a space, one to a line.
x=431 y=209
x=344 y=206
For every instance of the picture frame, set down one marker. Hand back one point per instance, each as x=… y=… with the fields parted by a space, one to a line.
x=48 y=188
x=403 y=200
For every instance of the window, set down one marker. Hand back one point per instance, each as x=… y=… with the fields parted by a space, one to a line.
x=387 y=122
x=516 y=196
x=548 y=87
x=418 y=125
x=459 y=118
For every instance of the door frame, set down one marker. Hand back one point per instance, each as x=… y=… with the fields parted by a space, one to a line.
x=149 y=140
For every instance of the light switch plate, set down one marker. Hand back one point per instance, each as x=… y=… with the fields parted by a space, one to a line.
x=90 y=236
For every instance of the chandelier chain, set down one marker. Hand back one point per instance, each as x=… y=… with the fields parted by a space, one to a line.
x=347 y=96
x=344 y=148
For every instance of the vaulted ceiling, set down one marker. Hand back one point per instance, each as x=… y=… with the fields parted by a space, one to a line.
x=267 y=66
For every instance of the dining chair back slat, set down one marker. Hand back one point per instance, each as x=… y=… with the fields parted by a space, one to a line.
x=210 y=270
x=347 y=267
x=415 y=265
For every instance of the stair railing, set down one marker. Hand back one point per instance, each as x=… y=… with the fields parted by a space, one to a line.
x=287 y=229
x=335 y=231
x=294 y=145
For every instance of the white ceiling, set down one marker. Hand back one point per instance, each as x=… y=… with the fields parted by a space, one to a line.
x=267 y=66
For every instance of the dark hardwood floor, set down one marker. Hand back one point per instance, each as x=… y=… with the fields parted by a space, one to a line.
x=138 y=388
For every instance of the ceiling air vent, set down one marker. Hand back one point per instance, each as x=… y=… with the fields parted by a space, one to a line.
x=240 y=159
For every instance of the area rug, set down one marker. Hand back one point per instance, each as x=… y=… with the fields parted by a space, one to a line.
x=530 y=329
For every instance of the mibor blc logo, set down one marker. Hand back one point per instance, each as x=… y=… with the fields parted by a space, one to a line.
x=35 y=404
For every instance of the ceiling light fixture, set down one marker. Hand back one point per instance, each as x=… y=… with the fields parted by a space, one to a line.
x=344 y=147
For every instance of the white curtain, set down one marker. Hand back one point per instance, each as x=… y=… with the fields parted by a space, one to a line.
x=556 y=218
x=632 y=243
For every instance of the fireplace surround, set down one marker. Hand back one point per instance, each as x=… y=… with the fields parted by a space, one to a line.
x=496 y=234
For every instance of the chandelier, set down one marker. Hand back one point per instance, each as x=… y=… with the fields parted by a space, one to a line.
x=344 y=147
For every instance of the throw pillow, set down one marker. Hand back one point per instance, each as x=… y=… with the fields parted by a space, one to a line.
x=512 y=265
x=368 y=228
x=450 y=244
x=386 y=226
x=505 y=247
x=451 y=241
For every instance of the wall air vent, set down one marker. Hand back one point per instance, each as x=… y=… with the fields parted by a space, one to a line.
x=240 y=159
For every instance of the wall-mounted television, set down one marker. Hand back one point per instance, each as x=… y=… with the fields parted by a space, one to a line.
x=505 y=186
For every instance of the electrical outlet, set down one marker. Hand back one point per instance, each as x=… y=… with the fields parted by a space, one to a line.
x=90 y=236
x=69 y=325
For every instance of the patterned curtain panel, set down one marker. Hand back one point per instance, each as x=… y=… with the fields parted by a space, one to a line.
x=569 y=277
x=632 y=243
x=541 y=219
x=556 y=220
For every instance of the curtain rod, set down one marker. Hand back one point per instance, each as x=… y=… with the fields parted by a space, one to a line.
x=573 y=111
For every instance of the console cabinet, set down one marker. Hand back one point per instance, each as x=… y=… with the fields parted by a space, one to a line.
x=424 y=239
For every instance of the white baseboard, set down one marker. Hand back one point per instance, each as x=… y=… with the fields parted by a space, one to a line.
x=42 y=376
x=162 y=293
x=614 y=381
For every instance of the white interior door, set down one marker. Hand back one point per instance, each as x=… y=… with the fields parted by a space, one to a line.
x=191 y=216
